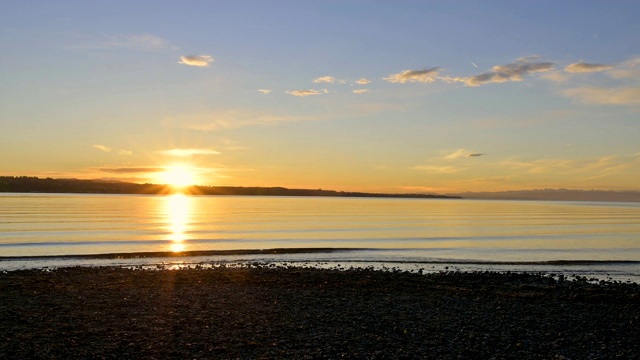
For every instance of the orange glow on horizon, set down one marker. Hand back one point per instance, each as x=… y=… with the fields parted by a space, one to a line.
x=178 y=176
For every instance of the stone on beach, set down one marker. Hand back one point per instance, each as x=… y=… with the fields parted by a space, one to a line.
x=275 y=312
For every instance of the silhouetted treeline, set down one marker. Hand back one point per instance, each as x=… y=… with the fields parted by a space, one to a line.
x=26 y=184
x=280 y=191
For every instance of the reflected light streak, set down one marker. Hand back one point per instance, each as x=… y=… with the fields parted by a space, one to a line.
x=177 y=210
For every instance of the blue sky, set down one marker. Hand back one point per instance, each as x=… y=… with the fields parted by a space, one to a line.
x=395 y=96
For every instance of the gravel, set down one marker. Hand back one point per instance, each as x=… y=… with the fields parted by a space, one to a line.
x=266 y=312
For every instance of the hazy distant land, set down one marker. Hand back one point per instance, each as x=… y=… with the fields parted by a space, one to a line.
x=29 y=184
x=26 y=184
x=555 y=194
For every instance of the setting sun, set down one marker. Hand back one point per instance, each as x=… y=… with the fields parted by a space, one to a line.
x=178 y=176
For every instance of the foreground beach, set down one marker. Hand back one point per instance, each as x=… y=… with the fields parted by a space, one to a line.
x=277 y=312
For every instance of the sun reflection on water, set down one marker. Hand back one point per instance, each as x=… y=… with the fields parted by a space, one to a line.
x=178 y=214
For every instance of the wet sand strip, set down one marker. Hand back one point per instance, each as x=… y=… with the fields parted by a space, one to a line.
x=278 y=312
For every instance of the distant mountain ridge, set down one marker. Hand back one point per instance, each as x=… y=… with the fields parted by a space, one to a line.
x=555 y=194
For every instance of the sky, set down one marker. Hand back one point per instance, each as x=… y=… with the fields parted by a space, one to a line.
x=377 y=96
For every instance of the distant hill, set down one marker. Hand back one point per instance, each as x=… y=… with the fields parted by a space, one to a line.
x=556 y=194
x=27 y=184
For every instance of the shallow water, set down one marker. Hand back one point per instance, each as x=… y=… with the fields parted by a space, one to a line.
x=390 y=230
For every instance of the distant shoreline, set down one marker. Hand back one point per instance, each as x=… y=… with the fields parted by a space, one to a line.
x=554 y=195
x=25 y=184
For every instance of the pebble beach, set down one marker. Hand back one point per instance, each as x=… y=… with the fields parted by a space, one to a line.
x=271 y=312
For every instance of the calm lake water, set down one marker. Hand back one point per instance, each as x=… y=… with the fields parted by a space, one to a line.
x=410 y=231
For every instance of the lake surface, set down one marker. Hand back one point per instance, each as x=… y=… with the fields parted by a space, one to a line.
x=392 y=231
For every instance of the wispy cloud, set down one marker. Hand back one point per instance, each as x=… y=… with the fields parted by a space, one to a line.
x=140 y=42
x=264 y=91
x=556 y=76
x=627 y=76
x=308 y=92
x=368 y=109
x=457 y=154
x=132 y=170
x=438 y=169
x=363 y=81
x=584 y=169
x=442 y=165
x=328 y=79
x=360 y=91
x=582 y=67
x=102 y=147
x=462 y=153
x=229 y=119
x=628 y=70
x=605 y=96
x=188 y=152
x=108 y=149
x=196 y=60
x=515 y=71
x=423 y=76
x=587 y=172
x=548 y=166
x=230 y=145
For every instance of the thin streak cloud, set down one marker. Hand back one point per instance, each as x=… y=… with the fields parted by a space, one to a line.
x=102 y=147
x=196 y=60
x=462 y=153
x=587 y=168
x=140 y=42
x=132 y=170
x=188 y=152
x=422 y=76
x=581 y=67
x=605 y=96
x=108 y=149
x=229 y=119
x=308 y=92
x=448 y=169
